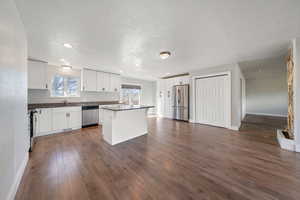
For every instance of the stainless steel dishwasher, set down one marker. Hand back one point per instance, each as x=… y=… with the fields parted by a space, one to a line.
x=90 y=115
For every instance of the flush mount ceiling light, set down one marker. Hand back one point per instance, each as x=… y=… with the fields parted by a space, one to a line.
x=67 y=45
x=66 y=67
x=164 y=54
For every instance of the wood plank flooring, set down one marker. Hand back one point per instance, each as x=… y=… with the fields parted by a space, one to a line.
x=263 y=127
x=176 y=160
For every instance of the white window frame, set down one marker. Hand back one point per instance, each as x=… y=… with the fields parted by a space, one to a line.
x=141 y=91
x=65 y=86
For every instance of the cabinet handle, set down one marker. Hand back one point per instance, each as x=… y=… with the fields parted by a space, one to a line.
x=116 y=89
x=83 y=88
x=103 y=89
x=68 y=114
x=40 y=111
x=46 y=86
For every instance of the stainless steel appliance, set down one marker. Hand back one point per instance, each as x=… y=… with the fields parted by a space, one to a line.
x=90 y=115
x=32 y=117
x=181 y=102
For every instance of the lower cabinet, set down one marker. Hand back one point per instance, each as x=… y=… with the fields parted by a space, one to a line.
x=44 y=121
x=54 y=120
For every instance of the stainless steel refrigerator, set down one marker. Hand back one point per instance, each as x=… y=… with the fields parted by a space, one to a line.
x=181 y=102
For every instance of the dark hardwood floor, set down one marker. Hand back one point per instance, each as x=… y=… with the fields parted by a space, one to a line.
x=262 y=127
x=176 y=160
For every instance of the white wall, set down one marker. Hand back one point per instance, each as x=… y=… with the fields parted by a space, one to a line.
x=266 y=86
x=236 y=75
x=148 y=96
x=296 y=54
x=14 y=137
x=267 y=96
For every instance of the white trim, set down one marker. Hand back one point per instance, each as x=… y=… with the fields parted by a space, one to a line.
x=235 y=128
x=18 y=177
x=59 y=131
x=297 y=148
x=229 y=120
x=285 y=143
x=266 y=114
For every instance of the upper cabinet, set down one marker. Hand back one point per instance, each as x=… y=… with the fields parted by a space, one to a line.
x=89 y=80
x=115 y=83
x=100 y=81
x=37 y=75
x=103 y=82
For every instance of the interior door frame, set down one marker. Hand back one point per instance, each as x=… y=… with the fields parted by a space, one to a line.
x=194 y=100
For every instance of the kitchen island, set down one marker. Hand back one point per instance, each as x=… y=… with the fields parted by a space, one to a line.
x=124 y=122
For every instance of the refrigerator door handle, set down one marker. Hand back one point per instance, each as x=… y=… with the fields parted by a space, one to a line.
x=179 y=97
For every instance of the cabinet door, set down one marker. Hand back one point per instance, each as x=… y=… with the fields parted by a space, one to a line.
x=107 y=82
x=44 y=121
x=101 y=81
x=59 y=120
x=160 y=98
x=37 y=75
x=101 y=115
x=115 y=83
x=89 y=80
x=74 y=118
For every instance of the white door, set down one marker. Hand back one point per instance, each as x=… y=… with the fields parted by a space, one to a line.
x=103 y=82
x=59 y=121
x=89 y=80
x=74 y=119
x=100 y=81
x=169 y=104
x=115 y=83
x=37 y=75
x=44 y=121
x=212 y=102
x=160 y=97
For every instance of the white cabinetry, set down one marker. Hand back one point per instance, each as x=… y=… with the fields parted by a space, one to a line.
x=96 y=81
x=161 y=97
x=44 y=121
x=103 y=82
x=115 y=83
x=66 y=118
x=165 y=96
x=37 y=75
x=89 y=80
x=54 y=120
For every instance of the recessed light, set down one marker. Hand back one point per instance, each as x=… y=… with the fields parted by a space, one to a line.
x=164 y=54
x=121 y=71
x=168 y=73
x=67 y=45
x=62 y=60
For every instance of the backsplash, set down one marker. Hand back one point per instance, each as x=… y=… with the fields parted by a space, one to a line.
x=43 y=96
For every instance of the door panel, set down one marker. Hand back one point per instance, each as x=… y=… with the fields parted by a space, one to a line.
x=59 y=121
x=75 y=119
x=212 y=100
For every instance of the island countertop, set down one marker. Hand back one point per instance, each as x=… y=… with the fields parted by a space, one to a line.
x=125 y=107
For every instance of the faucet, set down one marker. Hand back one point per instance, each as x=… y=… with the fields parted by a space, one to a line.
x=65 y=101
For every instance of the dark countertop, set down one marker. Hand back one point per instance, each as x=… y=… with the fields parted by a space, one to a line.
x=69 y=104
x=125 y=107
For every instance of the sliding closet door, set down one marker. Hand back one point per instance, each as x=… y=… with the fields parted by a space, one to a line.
x=212 y=102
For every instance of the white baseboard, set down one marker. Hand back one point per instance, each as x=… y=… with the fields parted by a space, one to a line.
x=297 y=148
x=266 y=114
x=235 y=128
x=18 y=177
x=285 y=143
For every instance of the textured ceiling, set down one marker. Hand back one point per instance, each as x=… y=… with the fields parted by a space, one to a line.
x=114 y=35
